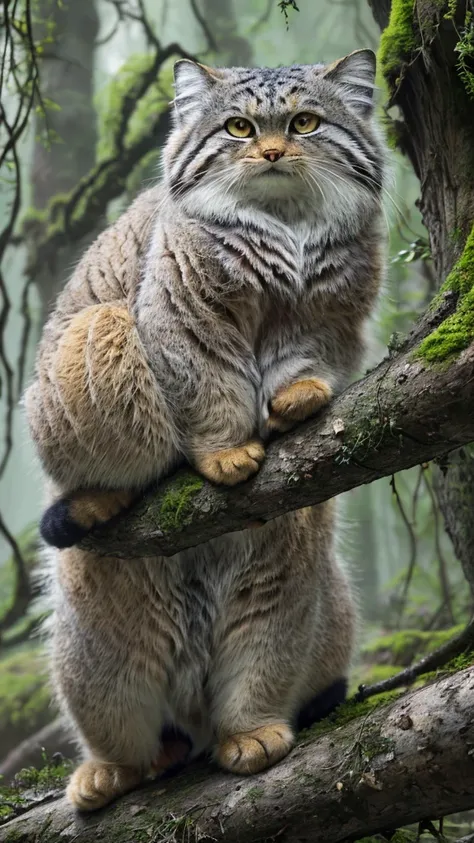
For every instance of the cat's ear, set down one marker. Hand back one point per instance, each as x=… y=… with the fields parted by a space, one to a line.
x=191 y=81
x=355 y=75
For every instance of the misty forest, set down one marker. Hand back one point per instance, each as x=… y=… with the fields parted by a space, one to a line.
x=85 y=93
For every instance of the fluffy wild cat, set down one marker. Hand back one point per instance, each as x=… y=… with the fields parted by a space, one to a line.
x=226 y=303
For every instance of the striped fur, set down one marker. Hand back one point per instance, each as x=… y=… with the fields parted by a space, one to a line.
x=225 y=304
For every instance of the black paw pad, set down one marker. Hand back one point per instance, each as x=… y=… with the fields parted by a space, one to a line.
x=58 y=528
x=322 y=704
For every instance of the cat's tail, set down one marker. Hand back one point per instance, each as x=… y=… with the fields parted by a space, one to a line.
x=67 y=521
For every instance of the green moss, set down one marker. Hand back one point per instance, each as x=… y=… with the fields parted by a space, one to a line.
x=153 y=102
x=134 y=88
x=347 y=712
x=398 y=39
x=255 y=793
x=459 y=662
x=176 y=504
x=405 y=644
x=457 y=331
x=28 y=784
x=126 y=84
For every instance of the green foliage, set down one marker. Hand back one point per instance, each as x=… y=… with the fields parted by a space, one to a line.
x=457 y=331
x=48 y=777
x=465 y=50
x=418 y=250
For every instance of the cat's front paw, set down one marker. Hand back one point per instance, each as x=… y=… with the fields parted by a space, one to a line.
x=231 y=465
x=296 y=402
x=252 y=752
x=96 y=783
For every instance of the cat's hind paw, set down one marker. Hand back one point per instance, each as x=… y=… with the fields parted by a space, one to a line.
x=231 y=465
x=70 y=519
x=96 y=783
x=251 y=752
x=297 y=402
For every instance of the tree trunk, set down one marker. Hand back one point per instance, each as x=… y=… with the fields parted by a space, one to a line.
x=67 y=79
x=233 y=49
x=437 y=135
x=393 y=765
x=454 y=486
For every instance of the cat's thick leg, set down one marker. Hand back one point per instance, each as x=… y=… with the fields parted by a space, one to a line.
x=222 y=443
x=258 y=639
x=101 y=427
x=112 y=648
x=283 y=638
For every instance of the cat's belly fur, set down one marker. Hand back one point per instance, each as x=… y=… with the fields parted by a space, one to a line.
x=181 y=630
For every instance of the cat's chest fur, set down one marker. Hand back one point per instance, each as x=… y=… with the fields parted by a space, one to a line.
x=266 y=255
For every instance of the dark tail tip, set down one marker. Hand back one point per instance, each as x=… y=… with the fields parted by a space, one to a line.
x=58 y=528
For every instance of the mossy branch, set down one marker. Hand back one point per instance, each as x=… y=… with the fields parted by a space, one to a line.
x=412 y=408
x=377 y=771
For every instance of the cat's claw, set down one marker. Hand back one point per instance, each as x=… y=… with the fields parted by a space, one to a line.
x=231 y=465
x=251 y=752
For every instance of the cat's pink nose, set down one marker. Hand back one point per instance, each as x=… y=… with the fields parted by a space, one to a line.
x=272 y=155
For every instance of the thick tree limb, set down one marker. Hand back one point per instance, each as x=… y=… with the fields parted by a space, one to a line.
x=398 y=764
x=402 y=414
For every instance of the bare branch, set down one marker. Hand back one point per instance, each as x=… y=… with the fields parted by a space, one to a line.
x=210 y=41
x=23 y=593
x=461 y=643
x=402 y=414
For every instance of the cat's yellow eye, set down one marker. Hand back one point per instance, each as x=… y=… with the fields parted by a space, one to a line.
x=239 y=127
x=304 y=123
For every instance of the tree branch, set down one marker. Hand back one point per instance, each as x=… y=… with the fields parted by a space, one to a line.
x=403 y=413
x=379 y=771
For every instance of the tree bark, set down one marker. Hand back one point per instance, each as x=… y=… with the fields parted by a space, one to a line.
x=437 y=135
x=454 y=486
x=402 y=414
x=396 y=764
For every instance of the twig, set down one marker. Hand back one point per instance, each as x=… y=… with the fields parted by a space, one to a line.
x=22 y=595
x=413 y=549
x=433 y=661
x=262 y=19
x=210 y=40
x=442 y=566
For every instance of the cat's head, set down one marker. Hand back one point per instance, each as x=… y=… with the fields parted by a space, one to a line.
x=301 y=136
